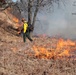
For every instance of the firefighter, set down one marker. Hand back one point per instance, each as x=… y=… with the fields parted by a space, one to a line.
x=26 y=32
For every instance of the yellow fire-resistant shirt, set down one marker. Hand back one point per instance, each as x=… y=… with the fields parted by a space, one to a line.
x=25 y=25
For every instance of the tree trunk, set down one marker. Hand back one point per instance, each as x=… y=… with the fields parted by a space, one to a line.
x=29 y=11
x=35 y=13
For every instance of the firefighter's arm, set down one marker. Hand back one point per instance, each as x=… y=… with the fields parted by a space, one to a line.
x=25 y=27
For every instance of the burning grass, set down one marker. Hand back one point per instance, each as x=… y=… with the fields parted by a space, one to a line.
x=46 y=56
x=38 y=58
x=59 y=49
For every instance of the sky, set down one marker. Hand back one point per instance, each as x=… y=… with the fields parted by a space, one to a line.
x=14 y=0
x=60 y=22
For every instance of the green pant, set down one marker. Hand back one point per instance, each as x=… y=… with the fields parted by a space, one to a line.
x=27 y=34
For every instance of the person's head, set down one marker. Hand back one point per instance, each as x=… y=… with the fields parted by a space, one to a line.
x=24 y=20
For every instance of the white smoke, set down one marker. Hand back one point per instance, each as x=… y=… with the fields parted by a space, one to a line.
x=61 y=22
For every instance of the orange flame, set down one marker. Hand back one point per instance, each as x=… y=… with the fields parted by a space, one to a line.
x=64 y=53
x=15 y=19
x=17 y=22
x=63 y=48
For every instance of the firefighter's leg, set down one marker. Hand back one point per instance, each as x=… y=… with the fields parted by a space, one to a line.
x=24 y=37
x=28 y=36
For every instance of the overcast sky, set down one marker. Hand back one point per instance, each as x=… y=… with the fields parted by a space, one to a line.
x=62 y=21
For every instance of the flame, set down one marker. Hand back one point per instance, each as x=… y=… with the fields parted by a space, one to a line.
x=42 y=52
x=62 y=49
x=16 y=20
x=65 y=52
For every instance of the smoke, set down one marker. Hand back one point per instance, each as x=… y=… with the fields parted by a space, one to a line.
x=61 y=22
x=71 y=26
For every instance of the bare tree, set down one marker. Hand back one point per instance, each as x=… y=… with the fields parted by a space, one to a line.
x=32 y=7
